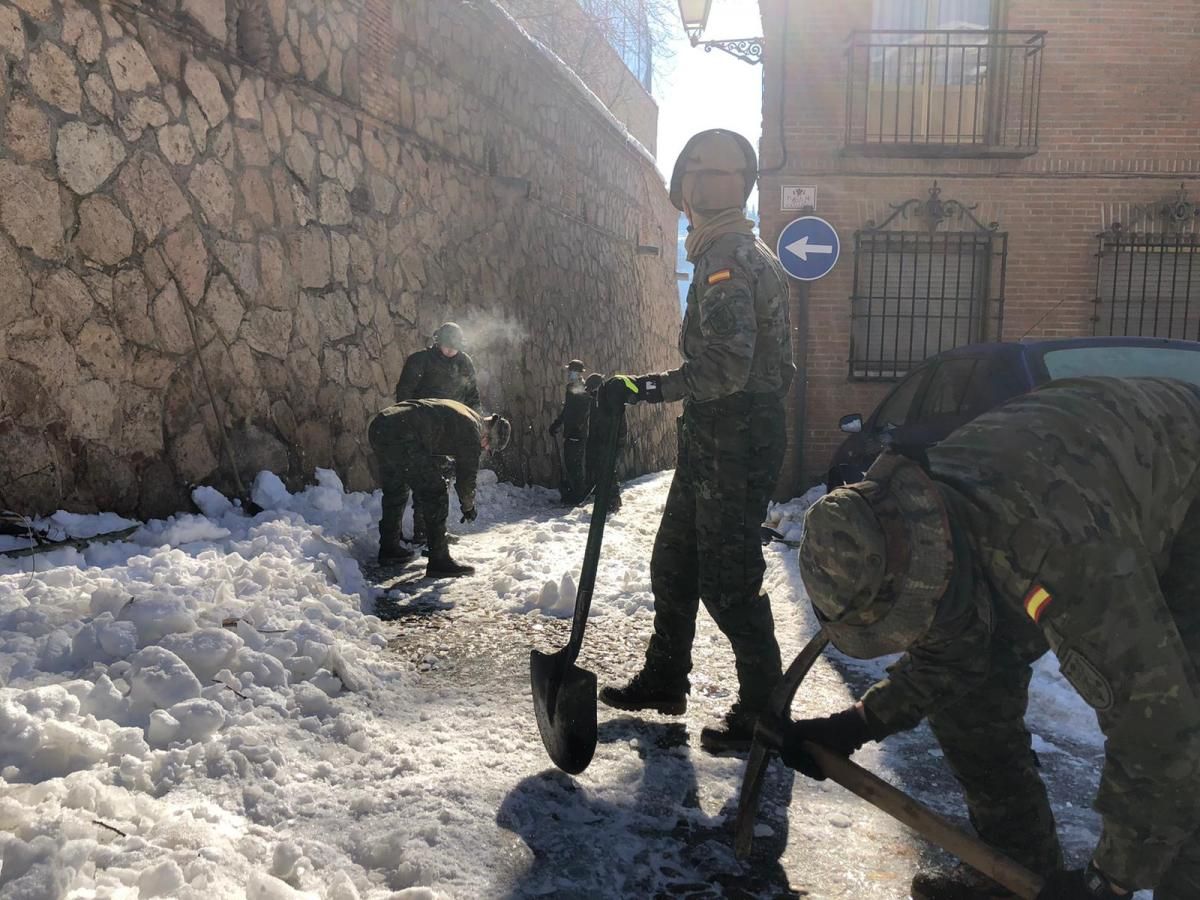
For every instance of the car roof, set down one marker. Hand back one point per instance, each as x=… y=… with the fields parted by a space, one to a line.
x=1028 y=346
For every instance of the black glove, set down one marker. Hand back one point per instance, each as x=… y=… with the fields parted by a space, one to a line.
x=1079 y=884
x=556 y=428
x=622 y=389
x=843 y=733
x=468 y=514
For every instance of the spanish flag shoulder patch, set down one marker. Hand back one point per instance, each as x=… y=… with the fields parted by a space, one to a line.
x=719 y=276
x=1036 y=602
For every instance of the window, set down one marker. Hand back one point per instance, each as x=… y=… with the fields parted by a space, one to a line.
x=923 y=14
x=626 y=27
x=1124 y=362
x=947 y=388
x=1148 y=284
x=994 y=381
x=919 y=293
x=942 y=78
x=896 y=408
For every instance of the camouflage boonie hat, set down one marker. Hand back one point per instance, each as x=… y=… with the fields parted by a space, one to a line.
x=876 y=558
x=575 y=365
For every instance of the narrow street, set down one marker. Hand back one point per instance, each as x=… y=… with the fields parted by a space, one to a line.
x=652 y=815
x=273 y=737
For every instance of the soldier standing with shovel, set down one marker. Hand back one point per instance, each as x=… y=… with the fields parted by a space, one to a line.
x=737 y=368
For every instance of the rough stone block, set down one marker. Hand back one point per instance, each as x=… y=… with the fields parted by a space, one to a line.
x=209 y=15
x=87 y=155
x=31 y=210
x=53 y=77
x=130 y=67
x=205 y=87
x=105 y=235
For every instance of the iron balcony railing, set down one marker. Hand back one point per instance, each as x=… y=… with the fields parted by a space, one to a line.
x=948 y=92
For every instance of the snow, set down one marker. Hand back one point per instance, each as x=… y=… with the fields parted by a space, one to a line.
x=210 y=708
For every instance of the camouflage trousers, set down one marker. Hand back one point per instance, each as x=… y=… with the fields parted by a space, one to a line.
x=1127 y=636
x=708 y=546
x=404 y=462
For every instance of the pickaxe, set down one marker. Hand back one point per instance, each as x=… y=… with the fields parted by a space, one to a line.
x=871 y=788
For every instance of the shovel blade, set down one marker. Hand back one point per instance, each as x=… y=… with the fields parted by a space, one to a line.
x=564 y=701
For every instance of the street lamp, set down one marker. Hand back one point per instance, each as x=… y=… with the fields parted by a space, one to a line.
x=694 y=14
x=695 y=17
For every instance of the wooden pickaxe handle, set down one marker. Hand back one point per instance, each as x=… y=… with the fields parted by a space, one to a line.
x=926 y=822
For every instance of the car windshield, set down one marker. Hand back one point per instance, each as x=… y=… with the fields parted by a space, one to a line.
x=1124 y=362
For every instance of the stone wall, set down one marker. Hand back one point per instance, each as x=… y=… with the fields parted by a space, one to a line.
x=223 y=226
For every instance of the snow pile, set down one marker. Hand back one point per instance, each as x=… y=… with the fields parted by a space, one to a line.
x=153 y=693
x=788 y=518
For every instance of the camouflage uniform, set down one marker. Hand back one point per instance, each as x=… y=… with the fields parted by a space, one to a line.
x=574 y=422
x=405 y=439
x=736 y=344
x=430 y=374
x=1076 y=517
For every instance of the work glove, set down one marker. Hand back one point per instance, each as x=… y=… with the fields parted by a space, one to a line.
x=556 y=428
x=623 y=389
x=468 y=514
x=1079 y=884
x=843 y=733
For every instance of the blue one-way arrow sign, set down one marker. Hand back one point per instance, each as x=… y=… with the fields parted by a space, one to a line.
x=808 y=248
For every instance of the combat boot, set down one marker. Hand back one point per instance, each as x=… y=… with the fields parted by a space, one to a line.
x=441 y=565
x=734 y=735
x=960 y=883
x=646 y=691
x=394 y=553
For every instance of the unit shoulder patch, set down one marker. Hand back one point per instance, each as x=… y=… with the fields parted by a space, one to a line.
x=1089 y=681
x=718 y=276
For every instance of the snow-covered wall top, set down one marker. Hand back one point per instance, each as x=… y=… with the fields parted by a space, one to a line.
x=294 y=194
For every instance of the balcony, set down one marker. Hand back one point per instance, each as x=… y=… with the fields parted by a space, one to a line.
x=943 y=93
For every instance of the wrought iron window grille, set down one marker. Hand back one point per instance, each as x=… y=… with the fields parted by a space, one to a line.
x=1148 y=276
x=928 y=278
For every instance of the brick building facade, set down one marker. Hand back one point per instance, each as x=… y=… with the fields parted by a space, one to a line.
x=1060 y=141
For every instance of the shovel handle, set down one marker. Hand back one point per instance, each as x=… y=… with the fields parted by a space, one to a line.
x=591 y=554
x=926 y=822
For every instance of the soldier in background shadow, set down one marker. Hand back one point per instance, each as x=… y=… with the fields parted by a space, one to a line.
x=572 y=421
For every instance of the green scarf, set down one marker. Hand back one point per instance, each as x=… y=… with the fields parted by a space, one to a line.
x=707 y=229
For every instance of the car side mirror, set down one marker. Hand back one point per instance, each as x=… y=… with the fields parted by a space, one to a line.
x=851 y=424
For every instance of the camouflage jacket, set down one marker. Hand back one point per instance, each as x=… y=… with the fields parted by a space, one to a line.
x=439 y=428
x=1065 y=504
x=736 y=331
x=428 y=374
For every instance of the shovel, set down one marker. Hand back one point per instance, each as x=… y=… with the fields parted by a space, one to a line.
x=564 y=695
x=874 y=790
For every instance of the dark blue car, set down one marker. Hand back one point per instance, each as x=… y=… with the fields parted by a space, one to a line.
x=951 y=389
